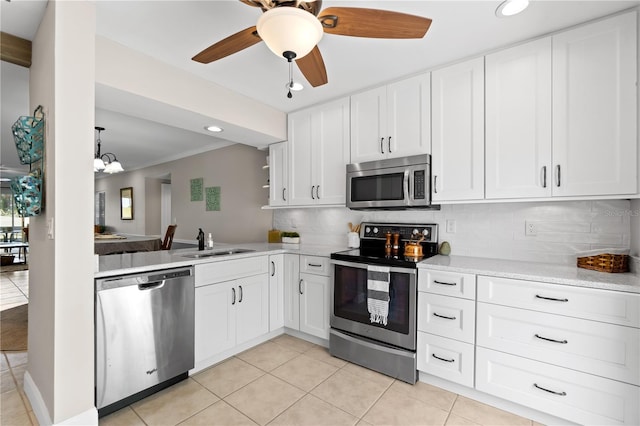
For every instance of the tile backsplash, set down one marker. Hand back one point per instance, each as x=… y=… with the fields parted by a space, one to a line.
x=497 y=230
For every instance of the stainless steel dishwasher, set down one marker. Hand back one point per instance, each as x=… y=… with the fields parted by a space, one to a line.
x=144 y=335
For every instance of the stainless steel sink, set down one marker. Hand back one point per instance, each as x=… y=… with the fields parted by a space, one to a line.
x=225 y=252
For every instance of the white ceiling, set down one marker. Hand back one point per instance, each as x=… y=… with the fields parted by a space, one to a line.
x=174 y=31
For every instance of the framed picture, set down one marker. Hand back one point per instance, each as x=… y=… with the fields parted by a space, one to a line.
x=126 y=203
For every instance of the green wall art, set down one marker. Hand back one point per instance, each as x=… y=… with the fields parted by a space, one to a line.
x=213 y=199
x=196 y=189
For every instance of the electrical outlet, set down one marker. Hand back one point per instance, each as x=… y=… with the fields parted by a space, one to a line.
x=50 y=229
x=530 y=228
x=451 y=226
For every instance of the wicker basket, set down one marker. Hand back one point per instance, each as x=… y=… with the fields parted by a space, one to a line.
x=605 y=262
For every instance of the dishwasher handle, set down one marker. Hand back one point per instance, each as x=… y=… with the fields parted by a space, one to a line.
x=151 y=286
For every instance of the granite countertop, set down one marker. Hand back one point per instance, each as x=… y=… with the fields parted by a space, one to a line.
x=133 y=263
x=536 y=271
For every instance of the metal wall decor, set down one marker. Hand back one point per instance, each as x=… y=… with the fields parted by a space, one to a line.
x=28 y=134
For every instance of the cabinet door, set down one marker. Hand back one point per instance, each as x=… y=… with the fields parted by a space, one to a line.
x=368 y=125
x=409 y=116
x=278 y=168
x=314 y=305
x=458 y=131
x=291 y=291
x=252 y=307
x=215 y=326
x=518 y=121
x=594 y=107
x=276 y=291
x=330 y=153
x=300 y=140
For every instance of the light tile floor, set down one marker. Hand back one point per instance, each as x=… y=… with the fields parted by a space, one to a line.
x=285 y=381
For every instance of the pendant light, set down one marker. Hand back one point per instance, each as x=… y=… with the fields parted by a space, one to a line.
x=107 y=162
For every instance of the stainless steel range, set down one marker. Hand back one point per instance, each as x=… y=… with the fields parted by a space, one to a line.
x=374 y=298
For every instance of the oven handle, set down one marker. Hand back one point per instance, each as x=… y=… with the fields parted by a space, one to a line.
x=364 y=266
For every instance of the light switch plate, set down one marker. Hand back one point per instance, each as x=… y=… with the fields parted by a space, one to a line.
x=451 y=226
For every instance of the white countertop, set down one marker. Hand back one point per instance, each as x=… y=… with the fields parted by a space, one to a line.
x=535 y=271
x=133 y=263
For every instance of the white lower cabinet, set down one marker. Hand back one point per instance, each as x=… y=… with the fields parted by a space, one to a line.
x=593 y=347
x=559 y=349
x=446 y=325
x=307 y=296
x=575 y=396
x=229 y=313
x=314 y=305
x=446 y=358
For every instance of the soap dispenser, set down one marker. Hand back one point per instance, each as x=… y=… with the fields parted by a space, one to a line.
x=200 y=239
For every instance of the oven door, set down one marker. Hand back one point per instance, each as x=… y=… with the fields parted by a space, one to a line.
x=349 y=310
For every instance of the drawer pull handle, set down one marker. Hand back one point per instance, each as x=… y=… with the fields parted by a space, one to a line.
x=443 y=316
x=442 y=359
x=564 y=342
x=444 y=283
x=551 y=298
x=315 y=265
x=549 y=390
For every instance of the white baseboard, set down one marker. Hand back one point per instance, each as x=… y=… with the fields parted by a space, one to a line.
x=36 y=401
x=88 y=417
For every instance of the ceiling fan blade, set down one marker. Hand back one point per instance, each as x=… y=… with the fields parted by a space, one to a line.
x=312 y=67
x=232 y=44
x=373 y=23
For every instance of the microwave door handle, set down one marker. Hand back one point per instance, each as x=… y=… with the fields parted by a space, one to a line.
x=406 y=186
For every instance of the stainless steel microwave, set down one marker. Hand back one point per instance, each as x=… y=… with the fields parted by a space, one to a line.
x=390 y=184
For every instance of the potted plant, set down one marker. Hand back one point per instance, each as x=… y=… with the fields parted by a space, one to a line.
x=290 y=238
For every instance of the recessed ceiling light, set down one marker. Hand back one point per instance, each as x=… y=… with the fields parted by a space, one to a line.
x=212 y=128
x=294 y=85
x=511 y=7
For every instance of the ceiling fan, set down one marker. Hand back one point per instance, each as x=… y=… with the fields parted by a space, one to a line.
x=292 y=29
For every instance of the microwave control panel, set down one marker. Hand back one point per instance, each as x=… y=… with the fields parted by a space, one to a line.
x=418 y=185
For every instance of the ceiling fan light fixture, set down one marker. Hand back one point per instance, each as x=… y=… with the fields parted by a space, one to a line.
x=291 y=29
x=511 y=7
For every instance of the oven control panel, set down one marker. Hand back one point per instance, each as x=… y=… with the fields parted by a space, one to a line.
x=407 y=231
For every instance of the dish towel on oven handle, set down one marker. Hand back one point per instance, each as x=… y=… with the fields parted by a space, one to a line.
x=378 y=293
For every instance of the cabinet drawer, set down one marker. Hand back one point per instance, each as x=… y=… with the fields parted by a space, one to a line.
x=446 y=358
x=447 y=283
x=578 y=397
x=446 y=316
x=209 y=273
x=607 y=350
x=314 y=265
x=600 y=305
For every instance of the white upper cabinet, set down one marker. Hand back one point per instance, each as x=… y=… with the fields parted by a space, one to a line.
x=391 y=121
x=594 y=106
x=518 y=121
x=278 y=171
x=318 y=154
x=457 y=148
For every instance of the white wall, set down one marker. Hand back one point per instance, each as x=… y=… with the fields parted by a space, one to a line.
x=237 y=169
x=487 y=230
x=60 y=375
